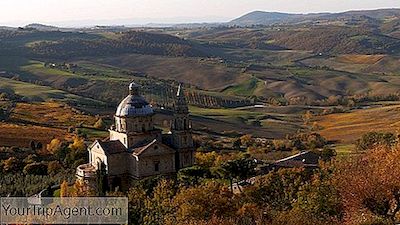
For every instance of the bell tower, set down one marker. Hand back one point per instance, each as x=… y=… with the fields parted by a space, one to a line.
x=181 y=129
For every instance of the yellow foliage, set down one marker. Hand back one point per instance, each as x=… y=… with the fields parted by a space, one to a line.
x=99 y=124
x=78 y=145
x=64 y=192
x=207 y=159
x=246 y=139
x=10 y=164
x=204 y=201
x=54 y=145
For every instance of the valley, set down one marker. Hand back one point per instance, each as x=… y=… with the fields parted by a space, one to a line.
x=268 y=118
x=279 y=66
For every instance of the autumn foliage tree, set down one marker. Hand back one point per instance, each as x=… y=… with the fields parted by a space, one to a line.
x=370 y=186
x=203 y=202
x=54 y=146
x=64 y=190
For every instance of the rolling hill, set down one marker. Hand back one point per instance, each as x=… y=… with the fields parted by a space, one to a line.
x=327 y=39
x=270 y=18
x=128 y=42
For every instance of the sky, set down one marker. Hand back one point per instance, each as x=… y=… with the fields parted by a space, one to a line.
x=120 y=12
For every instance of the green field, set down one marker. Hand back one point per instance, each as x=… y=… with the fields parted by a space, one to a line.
x=34 y=92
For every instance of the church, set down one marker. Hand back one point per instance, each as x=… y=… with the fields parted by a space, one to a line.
x=136 y=149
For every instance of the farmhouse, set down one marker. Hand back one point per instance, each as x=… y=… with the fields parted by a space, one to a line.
x=137 y=149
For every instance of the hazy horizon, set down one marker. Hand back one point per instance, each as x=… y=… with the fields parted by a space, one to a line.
x=125 y=12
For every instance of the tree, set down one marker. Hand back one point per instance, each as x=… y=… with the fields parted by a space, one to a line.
x=369 y=185
x=207 y=159
x=307 y=117
x=54 y=167
x=99 y=124
x=54 y=146
x=39 y=146
x=237 y=143
x=137 y=205
x=30 y=159
x=102 y=180
x=327 y=153
x=319 y=201
x=80 y=189
x=204 y=202
x=160 y=205
x=374 y=139
x=36 y=169
x=64 y=189
x=246 y=140
x=11 y=164
x=278 y=189
x=238 y=169
x=78 y=144
x=192 y=175
x=33 y=145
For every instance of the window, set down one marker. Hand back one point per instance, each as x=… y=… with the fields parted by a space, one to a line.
x=157 y=166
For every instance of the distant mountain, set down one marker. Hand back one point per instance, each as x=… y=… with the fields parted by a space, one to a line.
x=7 y=28
x=41 y=27
x=260 y=17
x=270 y=18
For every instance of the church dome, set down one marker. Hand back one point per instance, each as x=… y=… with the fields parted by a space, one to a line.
x=134 y=104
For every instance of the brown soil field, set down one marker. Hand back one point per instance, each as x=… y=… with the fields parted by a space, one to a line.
x=360 y=59
x=22 y=135
x=348 y=127
x=49 y=114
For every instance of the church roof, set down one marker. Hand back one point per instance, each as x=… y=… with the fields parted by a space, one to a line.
x=134 y=104
x=112 y=147
x=140 y=150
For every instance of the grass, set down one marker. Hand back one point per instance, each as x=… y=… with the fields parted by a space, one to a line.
x=268 y=124
x=37 y=67
x=267 y=57
x=40 y=93
x=246 y=88
x=343 y=150
x=12 y=63
x=103 y=72
x=221 y=113
x=355 y=63
x=94 y=133
x=204 y=74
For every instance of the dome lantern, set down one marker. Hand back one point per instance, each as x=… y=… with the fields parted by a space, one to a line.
x=134 y=104
x=133 y=89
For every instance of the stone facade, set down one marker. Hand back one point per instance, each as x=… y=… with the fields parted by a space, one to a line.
x=135 y=148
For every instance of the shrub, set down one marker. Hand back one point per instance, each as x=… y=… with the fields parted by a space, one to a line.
x=36 y=169
x=54 y=167
x=99 y=124
x=374 y=139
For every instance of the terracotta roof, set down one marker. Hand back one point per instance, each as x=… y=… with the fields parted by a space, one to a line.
x=112 y=147
x=303 y=159
x=141 y=149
